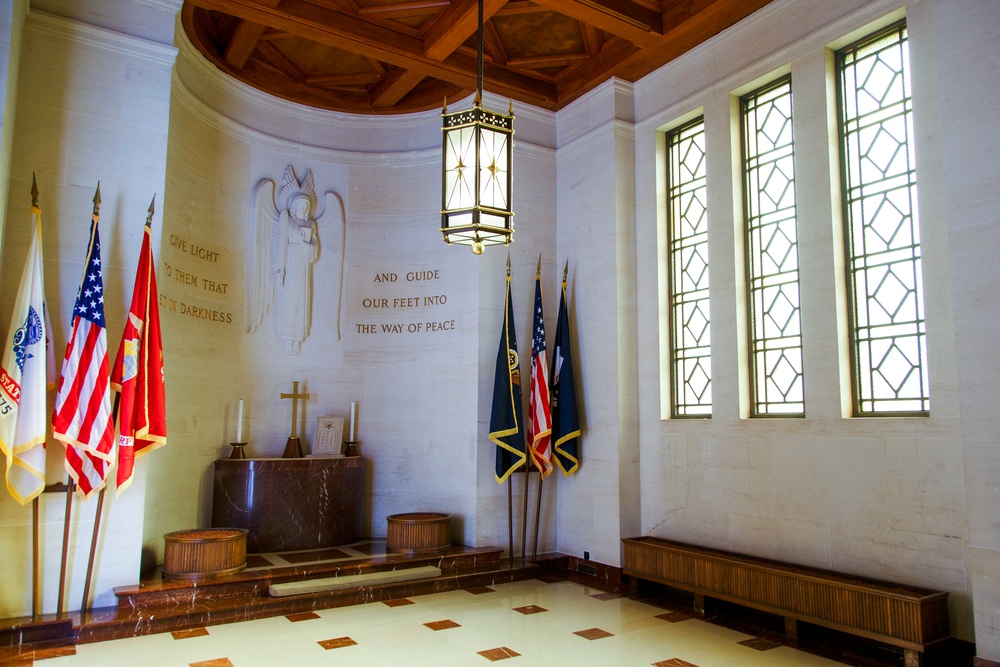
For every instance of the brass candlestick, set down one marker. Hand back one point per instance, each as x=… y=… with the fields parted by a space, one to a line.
x=239 y=450
x=352 y=448
x=293 y=448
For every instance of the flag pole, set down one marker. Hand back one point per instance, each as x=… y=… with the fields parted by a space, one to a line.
x=541 y=477
x=35 y=611
x=70 y=487
x=84 y=606
x=527 y=465
x=35 y=579
x=510 y=480
x=510 y=520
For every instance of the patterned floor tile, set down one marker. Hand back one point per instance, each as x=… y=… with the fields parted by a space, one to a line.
x=674 y=662
x=339 y=642
x=501 y=653
x=479 y=590
x=399 y=602
x=214 y=662
x=673 y=617
x=191 y=632
x=303 y=616
x=606 y=596
x=593 y=633
x=759 y=644
x=530 y=609
x=442 y=625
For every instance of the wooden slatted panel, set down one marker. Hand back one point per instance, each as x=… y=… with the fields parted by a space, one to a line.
x=904 y=618
x=192 y=554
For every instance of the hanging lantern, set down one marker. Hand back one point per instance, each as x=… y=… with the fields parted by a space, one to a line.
x=476 y=171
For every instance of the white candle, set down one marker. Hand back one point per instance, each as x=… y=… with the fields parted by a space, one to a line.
x=354 y=417
x=239 y=423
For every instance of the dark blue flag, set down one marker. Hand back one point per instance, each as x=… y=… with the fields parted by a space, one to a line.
x=505 y=419
x=565 y=419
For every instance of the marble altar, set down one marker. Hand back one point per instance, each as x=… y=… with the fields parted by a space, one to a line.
x=290 y=504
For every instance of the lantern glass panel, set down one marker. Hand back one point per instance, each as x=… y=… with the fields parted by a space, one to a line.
x=459 y=168
x=494 y=165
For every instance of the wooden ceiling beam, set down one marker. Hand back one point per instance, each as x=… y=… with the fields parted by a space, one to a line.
x=686 y=23
x=453 y=27
x=394 y=87
x=493 y=45
x=404 y=9
x=244 y=40
x=369 y=40
x=278 y=60
x=343 y=80
x=628 y=20
x=593 y=40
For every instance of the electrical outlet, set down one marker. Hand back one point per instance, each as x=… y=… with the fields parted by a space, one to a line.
x=586 y=555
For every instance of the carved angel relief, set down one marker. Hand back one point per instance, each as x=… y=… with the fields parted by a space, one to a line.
x=283 y=253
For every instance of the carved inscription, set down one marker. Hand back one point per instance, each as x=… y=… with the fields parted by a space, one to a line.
x=409 y=297
x=191 y=284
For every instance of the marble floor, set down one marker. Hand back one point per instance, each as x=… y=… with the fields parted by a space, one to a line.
x=530 y=622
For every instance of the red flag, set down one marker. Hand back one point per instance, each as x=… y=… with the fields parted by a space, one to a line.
x=138 y=371
x=540 y=426
x=82 y=416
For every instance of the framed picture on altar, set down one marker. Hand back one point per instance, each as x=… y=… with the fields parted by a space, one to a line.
x=329 y=438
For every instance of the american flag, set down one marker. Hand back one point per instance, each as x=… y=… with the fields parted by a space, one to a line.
x=540 y=426
x=82 y=419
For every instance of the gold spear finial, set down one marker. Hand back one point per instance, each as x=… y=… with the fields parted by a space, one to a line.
x=97 y=199
x=508 y=264
x=34 y=191
x=565 y=271
x=149 y=213
x=538 y=271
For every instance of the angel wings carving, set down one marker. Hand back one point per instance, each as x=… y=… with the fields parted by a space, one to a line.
x=283 y=254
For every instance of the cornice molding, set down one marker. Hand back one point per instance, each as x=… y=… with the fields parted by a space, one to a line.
x=84 y=33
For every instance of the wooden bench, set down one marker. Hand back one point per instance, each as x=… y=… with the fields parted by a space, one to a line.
x=910 y=618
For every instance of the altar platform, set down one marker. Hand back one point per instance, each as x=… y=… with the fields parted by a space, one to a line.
x=162 y=604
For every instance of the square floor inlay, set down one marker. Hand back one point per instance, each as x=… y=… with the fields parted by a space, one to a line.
x=339 y=642
x=530 y=609
x=673 y=617
x=759 y=644
x=303 y=616
x=674 y=662
x=442 y=625
x=501 y=653
x=479 y=590
x=605 y=596
x=400 y=602
x=593 y=633
x=193 y=632
x=214 y=662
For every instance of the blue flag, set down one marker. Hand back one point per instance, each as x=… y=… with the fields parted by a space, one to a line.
x=565 y=420
x=505 y=419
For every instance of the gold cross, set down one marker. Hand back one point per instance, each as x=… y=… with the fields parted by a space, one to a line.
x=295 y=396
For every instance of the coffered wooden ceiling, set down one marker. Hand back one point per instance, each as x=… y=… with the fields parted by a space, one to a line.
x=396 y=56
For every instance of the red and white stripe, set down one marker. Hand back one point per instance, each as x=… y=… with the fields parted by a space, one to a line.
x=82 y=417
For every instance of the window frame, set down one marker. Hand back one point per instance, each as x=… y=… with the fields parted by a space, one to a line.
x=852 y=258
